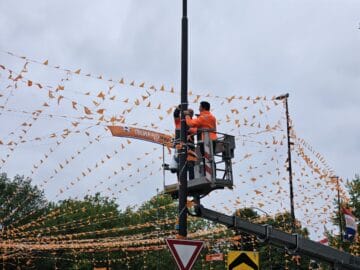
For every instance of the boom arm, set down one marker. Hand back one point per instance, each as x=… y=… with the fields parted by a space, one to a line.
x=293 y=242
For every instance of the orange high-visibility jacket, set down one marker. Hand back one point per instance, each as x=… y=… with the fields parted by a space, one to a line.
x=177 y=122
x=206 y=120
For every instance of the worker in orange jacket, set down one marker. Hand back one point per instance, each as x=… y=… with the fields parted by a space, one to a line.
x=206 y=120
x=177 y=121
x=191 y=133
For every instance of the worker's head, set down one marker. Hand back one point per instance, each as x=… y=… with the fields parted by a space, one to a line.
x=204 y=106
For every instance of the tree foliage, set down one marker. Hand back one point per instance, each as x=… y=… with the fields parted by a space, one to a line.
x=353 y=247
x=98 y=219
x=18 y=198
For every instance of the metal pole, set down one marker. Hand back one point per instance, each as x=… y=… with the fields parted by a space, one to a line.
x=183 y=135
x=293 y=224
x=339 y=209
x=289 y=143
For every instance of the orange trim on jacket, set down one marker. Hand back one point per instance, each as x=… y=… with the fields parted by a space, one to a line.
x=206 y=120
x=177 y=122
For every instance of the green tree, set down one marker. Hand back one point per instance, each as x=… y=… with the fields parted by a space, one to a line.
x=353 y=247
x=20 y=202
x=18 y=198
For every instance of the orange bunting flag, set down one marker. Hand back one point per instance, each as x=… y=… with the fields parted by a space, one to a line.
x=159 y=107
x=59 y=98
x=74 y=105
x=112 y=98
x=45 y=104
x=137 y=102
x=46 y=62
x=96 y=103
x=77 y=71
x=230 y=99
x=100 y=111
x=126 y=100
x=122 y=81
x=29 y=83
x=60 y=87
x=169 y=111
x=101 y=95
x=142 y=84
x=196 y=99
x=87 y=111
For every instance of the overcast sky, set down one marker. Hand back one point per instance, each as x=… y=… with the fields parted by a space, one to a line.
x=307 y=48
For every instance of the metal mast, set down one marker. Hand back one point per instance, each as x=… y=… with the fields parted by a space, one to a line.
x=183 y=134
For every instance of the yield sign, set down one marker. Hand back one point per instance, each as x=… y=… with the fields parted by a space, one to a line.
x=185 y=252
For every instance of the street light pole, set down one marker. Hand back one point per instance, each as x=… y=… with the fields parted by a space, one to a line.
x=289 y=143
x=339 y=209
x=183 y=132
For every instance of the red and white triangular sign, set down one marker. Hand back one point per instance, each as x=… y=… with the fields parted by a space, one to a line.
x=185 y=252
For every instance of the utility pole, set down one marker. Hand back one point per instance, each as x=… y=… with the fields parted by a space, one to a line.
x=289 y=143
x=183 y=132
x=339 y=209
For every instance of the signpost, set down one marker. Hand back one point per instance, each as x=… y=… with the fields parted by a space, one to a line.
x=215 y=257
x=185 y=252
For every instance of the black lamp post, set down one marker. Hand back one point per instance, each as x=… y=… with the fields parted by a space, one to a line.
x=183 y=135
x=289 y=168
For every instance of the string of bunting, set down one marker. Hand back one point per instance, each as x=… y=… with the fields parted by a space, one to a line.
x=132 y=83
